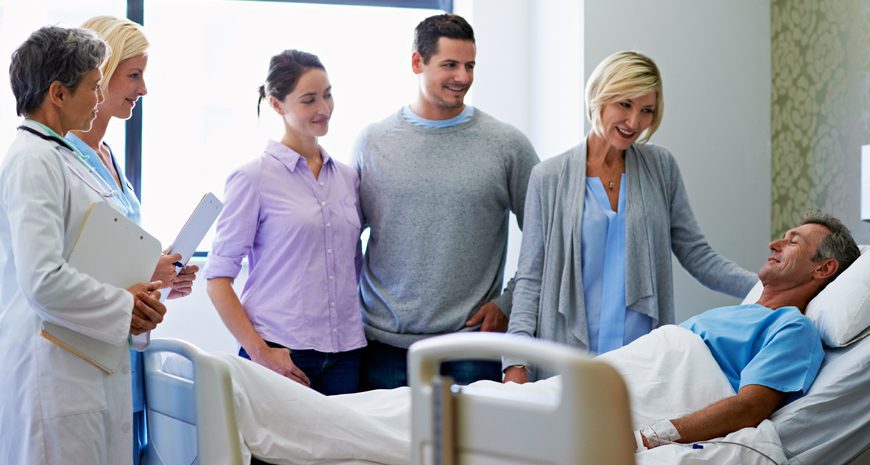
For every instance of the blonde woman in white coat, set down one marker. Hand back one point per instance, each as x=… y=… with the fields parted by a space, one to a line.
x=56 y=408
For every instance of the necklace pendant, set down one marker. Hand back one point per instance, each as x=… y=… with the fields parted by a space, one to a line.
x=610 y=185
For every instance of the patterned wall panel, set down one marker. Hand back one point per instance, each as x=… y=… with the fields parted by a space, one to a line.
x=820 y=109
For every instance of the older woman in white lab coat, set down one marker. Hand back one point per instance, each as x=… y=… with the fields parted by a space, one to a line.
x=54 y=406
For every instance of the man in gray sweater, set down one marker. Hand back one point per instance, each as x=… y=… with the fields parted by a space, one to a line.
x=438 y=179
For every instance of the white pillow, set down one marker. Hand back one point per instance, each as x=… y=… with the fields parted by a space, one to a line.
x=841 y=312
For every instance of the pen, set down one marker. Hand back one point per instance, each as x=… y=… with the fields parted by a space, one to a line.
x=178 y=264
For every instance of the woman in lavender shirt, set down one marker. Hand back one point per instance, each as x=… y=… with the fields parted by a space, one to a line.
x=293 y=211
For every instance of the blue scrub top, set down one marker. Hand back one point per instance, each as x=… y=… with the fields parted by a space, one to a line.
x=611 y=324
x=125 y=197
x=780 y=349
x=128 y=204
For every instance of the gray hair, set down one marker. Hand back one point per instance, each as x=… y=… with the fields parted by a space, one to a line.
x=52 y=54
x=838 y=245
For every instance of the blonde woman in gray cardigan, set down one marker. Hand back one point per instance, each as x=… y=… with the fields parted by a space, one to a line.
x=601 y=221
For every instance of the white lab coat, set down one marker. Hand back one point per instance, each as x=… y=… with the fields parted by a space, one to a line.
x=55 y=408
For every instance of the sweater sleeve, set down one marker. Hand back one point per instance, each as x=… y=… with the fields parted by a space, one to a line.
x=525 y=160
x=527 y=293
x=357 y=159
x=691 y=247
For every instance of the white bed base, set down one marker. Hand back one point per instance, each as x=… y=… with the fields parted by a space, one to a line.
x=589 y=424
x=189 y=422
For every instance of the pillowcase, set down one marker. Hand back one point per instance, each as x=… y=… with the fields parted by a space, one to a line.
x=841 y=312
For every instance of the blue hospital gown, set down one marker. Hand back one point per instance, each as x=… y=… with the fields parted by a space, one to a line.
x=752 y=344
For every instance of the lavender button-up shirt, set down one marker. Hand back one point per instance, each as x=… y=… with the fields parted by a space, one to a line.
x=301 y=237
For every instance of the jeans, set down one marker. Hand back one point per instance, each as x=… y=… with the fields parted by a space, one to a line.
x=140 y=425
x=329 y=373
x=386 y=367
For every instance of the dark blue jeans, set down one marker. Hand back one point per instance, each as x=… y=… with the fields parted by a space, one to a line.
x=140 y=425
x=329 y=373
x=386 y=367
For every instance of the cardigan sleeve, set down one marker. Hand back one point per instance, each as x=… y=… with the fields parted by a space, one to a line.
x=527 y=290
x=691 y=247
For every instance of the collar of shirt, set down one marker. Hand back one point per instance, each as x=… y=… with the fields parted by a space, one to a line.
x=289 y=157
x=417 y=120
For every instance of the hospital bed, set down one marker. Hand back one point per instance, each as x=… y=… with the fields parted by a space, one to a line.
x=192 y=414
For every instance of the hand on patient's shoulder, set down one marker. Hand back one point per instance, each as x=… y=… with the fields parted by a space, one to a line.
x=279 y=361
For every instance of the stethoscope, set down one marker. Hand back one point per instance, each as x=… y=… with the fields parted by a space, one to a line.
x=104 y=189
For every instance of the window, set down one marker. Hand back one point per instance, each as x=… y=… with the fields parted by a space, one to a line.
x=18 y=19
x=199 y=118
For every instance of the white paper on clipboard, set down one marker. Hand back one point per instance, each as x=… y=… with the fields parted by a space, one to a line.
x=113 y=250
x=196 y=227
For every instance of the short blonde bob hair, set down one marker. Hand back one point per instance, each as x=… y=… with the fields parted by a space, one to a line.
x=624 y=75
x=125 y=38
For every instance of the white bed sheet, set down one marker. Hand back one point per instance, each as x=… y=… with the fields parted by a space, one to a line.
x=831 y=424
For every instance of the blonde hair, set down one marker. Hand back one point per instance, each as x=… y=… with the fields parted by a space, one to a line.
x=624 y=75
x=125 y=38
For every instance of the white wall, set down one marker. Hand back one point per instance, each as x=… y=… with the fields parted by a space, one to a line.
x=533 y=58
x=194 y=319
x=715 y=61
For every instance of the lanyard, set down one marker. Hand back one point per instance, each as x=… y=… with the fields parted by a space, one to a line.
x=105 y=189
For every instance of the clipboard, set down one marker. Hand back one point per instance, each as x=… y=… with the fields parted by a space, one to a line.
x=196 y=227
x=115 y=251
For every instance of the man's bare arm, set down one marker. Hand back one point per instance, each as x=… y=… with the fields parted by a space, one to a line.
x=752 y=404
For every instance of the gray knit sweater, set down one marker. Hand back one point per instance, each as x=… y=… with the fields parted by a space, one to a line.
x=437 y=203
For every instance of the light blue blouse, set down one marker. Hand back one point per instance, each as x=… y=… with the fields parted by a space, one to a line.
x=611 y=325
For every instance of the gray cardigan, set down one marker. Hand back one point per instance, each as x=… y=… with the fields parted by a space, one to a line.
x=548 y=297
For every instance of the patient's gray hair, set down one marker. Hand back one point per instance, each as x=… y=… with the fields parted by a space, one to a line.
x=52 y=54
x=838 y=245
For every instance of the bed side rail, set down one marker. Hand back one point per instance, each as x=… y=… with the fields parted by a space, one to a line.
x=213 y=410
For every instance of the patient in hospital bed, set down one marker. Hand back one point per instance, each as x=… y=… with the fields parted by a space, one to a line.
x=719 y=372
